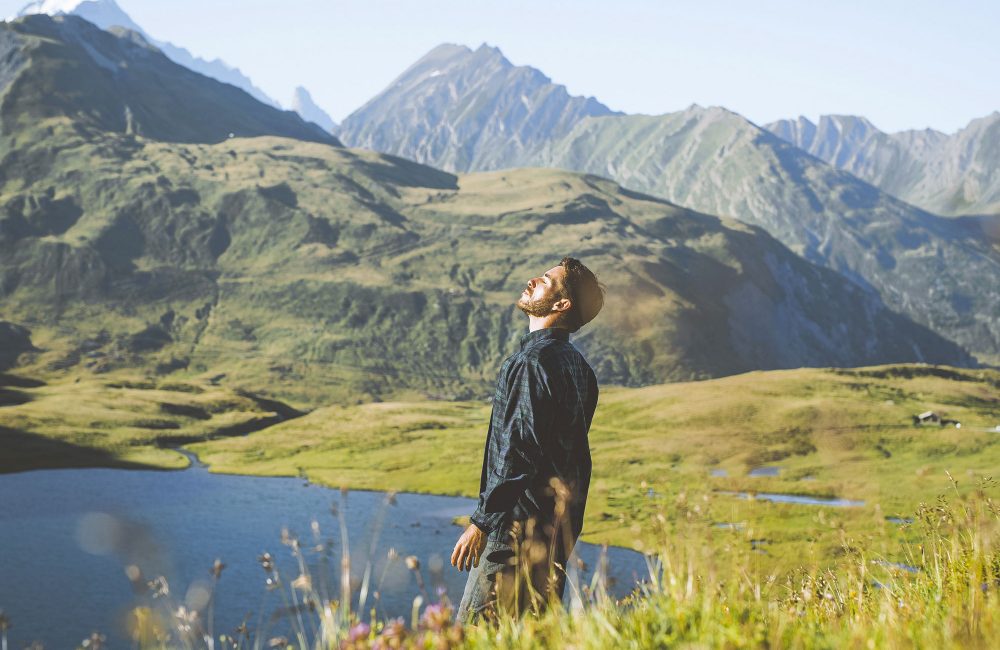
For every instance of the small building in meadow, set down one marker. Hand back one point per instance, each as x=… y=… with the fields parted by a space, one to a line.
x=930 y=417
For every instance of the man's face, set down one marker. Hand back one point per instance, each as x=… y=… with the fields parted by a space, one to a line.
x=542 y=293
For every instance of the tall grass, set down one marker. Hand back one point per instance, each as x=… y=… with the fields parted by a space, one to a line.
x=940 y=589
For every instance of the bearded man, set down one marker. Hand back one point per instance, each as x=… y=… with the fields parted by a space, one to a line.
x=536 y=466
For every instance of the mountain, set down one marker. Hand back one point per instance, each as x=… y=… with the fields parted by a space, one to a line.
x=67 y=67
x=956 y=174
x=303 y=104
x=298 y=267
x=107 y=14
x=942 y=273
x=336 y=274
x=459 y=109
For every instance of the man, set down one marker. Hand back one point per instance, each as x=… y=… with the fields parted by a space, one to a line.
x=536 y=466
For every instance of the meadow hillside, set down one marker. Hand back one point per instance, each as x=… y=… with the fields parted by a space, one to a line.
x=325 y=274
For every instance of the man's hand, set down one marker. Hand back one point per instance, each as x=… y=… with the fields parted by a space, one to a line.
x=468 y=548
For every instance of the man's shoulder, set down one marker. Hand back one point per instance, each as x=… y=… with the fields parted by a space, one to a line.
x=554 y=354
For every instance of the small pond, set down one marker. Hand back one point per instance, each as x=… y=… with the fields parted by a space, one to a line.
x=800 y=499
x=66 y=537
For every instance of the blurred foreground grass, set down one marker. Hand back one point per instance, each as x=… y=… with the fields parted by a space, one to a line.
x=947 y=597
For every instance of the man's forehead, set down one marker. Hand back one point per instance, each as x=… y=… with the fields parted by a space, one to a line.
x=556 y=272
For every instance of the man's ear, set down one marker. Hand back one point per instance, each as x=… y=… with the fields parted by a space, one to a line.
x=563 y=304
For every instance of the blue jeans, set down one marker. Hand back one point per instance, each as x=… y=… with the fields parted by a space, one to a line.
x=519 y=568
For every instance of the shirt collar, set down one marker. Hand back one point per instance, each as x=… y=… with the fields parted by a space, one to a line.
x=556 y=333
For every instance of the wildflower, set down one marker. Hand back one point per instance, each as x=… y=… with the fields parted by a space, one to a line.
x=217 y=568
x=393 y=635
x=436 y=617
x=94 y=642
x=412 y=563
x=187 y=619
x=359 y=632
x=158 y=587
x=266 y=562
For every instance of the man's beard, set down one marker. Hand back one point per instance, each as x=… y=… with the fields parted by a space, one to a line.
x=542 y=307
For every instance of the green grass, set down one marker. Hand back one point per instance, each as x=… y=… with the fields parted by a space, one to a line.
x=844 y=433
x=122 y=420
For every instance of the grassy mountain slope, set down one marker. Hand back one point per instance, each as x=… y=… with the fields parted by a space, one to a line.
x=337 y=274
x=65 y=66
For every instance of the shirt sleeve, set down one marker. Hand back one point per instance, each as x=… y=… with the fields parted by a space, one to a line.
x=527 y=417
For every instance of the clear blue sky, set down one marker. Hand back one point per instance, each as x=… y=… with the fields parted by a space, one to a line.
x=902 y=64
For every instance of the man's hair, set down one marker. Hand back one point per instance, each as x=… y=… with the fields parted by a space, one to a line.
x=582 y=288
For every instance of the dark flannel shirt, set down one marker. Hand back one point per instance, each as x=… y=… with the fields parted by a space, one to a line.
x=545 y=399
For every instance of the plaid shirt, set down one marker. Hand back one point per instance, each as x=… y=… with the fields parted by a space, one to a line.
x=544 y=402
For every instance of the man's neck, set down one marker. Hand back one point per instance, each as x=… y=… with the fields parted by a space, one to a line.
x=536 y=323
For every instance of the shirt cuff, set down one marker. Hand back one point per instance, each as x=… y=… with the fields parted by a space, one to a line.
x=487 y=522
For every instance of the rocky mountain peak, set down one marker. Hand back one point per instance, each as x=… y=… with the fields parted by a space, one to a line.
x=306 y=107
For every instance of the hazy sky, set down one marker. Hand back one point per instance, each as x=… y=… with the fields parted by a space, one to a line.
x=902 y=64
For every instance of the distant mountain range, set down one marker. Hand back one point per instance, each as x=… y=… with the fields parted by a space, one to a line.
x=133 y=235
x=956 y=174
x=465 y=110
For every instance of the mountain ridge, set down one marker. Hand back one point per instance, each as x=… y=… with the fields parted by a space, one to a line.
x=956 y=174
x=107 y=14
x=66 y=66
x=466 y=81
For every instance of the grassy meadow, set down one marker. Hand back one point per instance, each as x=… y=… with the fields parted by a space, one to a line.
x=663 y=455
x=668 y=454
